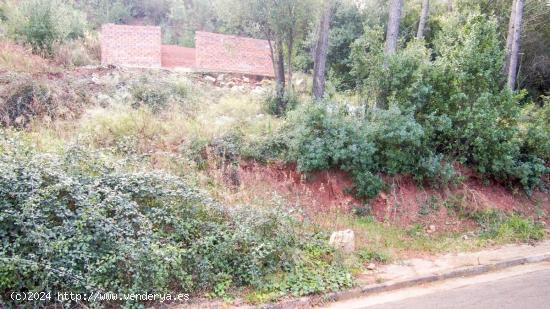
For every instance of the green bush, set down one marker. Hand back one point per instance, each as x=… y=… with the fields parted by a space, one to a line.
x=80 y=222
x=483 y=114
x=273 y=105
x=399 y=79
x=158 y=94
x=316 y=272
x=327 y=135
x=266 y=148
x=535 y=129
x=43 y=23
x=324 y=135
x=453 y=108
x=369 y=255
x=151 y=96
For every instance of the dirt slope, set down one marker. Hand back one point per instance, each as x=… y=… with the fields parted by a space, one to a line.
x=403 y=203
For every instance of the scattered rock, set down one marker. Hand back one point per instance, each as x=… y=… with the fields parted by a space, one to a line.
x=465 y=237
x=224 y=120
x=258 y=91
x=371 y=266
x=246 y=79
x=239 y=88
x=220 y=77
x=209 y=79
x=299 y=82
x=343 y=240
x=432 y=228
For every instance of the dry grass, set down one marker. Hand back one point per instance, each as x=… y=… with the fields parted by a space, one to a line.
x=394 y=241
x=15 y=58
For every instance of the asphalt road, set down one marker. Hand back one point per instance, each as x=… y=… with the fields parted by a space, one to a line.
x=521 y=288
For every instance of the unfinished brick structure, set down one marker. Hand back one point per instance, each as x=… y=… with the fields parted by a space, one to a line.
x=140 y=46
x=131 y=46
x=228 y=53
x=173 y=56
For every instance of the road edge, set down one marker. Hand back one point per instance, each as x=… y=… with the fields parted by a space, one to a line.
x=361 y=291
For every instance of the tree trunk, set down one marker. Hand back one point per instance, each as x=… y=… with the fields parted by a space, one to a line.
x=272 y=56
x=392 y=33
x=321 y=50
x=450 y=5
x=290 y=46
x=423 y=19
x=509 y=38
x=516 y=41
x=280 y=78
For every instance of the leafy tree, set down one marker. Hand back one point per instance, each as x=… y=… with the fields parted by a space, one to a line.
x=346 y=26
x=278 y=21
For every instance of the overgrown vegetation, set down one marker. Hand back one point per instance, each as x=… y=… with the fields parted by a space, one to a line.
x=42 y=23
x=132 y=180
x=87 y=222
x=422 y=115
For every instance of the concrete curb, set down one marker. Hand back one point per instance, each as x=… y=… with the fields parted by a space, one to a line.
x=307 y=302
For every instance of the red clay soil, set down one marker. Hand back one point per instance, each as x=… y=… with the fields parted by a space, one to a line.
x=173 y=56
x=404 y=203
x=323 y=190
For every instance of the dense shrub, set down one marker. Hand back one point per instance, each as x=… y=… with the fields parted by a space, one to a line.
x=315 y=272
x=80 y=222
x=483 y=115
x=273 y=104
x=535 y=130
x=79 y=52
x=329 y=135
x=43 y=23
x=266 y=148
x=322 y=135
x=400 y=79
x=158 y=94
x=457 y=106
x=27 y=98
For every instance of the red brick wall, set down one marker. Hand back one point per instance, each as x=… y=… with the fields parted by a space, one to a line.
x=140 y=46
x=131 y=46
x=173 y=56
x=227 y=53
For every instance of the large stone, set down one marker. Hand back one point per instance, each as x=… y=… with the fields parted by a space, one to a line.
x=258 y=91
x=343 y=240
